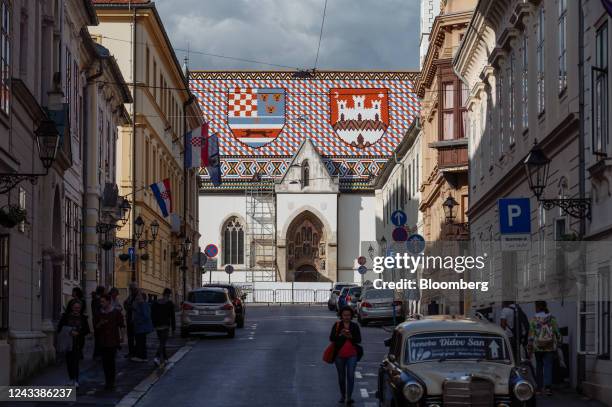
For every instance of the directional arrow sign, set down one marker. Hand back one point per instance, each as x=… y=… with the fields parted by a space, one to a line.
x=362 y=270
x=399 y=218
x=494 y=347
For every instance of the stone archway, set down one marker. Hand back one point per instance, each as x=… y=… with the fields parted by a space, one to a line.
x=307 y=249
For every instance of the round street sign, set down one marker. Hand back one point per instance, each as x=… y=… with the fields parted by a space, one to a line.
x=399 y=234
x=211 y=250
x=415 y=244
x=361 y=260
x=362 y=270
x=229 y=269
x=399 y=218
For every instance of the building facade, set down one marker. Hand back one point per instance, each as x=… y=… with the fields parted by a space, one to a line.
x=444 y=141
x=297 y=198
x=150 y=150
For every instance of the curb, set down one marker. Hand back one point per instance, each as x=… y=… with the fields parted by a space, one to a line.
x=143 y=387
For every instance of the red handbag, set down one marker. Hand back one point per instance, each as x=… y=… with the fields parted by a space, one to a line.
x=328 y=353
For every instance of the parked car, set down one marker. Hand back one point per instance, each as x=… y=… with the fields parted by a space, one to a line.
x=341 y=302
x=334 y=293
x=447 y=360
x=208 y=309
x=238 y=297
x=377 y=305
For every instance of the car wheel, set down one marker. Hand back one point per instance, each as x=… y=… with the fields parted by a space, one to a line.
x=184 y=333
x=240 y=322
x=231 y=333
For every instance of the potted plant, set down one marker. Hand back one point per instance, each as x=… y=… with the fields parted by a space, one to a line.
x=107 y=245
x=144 y=256
x=12 y=215
x=124 y=257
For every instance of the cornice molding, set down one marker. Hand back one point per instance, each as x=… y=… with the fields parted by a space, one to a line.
x=319 y=75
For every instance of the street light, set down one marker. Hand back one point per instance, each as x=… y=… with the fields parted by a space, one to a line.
x=371 y=252
x=383 y=246
x=139 y=226
x=124 y=210
x=537 y=167
x=187 y=246
x=154 y=229
x=448 y=206
x=47 y=143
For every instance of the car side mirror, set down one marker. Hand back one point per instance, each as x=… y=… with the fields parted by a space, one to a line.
x=388 y=342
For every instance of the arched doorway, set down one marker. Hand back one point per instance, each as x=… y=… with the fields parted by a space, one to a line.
x=306 y=249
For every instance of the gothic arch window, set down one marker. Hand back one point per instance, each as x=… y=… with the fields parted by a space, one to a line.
x=233 y=242
x=305 y=173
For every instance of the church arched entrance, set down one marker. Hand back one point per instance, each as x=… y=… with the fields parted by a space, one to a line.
x=306 y=249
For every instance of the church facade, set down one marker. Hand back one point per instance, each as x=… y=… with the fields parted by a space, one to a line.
x=300 y=156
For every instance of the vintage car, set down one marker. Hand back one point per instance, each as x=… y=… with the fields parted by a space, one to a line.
x=452 y=361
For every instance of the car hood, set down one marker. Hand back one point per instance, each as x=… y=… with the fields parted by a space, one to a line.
x=433 y=374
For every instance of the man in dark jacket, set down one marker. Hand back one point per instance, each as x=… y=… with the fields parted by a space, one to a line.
x=108 y=323
x=129 y=319
x=162 y=313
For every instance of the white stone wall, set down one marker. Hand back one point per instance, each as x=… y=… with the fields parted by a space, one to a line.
x=429 y=10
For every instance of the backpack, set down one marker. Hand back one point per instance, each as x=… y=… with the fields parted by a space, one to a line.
x=545 y=336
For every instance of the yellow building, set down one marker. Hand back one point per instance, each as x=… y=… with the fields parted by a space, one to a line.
x=151 y=149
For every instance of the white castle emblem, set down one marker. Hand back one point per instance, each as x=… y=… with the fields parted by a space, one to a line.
x=359 y=112
x=363 y=123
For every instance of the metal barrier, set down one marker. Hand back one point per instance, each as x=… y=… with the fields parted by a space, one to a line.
x=287 y=296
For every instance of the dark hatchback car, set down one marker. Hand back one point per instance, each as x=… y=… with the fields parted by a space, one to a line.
x=237 y=296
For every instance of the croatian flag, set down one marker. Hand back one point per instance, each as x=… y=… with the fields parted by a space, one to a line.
x=214 y=164
x=607 y=5
x=196 y=147
x=161 y=190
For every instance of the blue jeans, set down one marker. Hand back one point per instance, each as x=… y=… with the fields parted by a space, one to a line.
x=544 y=368
x=346 y=375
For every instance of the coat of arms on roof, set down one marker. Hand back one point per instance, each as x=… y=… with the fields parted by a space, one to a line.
x=256 y=116
x=360 y=117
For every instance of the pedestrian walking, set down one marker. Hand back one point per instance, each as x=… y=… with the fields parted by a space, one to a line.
x=114 y=295
x=544 y=338
x=77 y=296
x=95 y=308
x=143 y=325
x=162 y=314
x=127 y=306
x=109 y=326
x=346 y=337
x=516 y=324
x=72 y=330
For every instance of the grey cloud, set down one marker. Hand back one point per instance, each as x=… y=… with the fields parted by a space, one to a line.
x=358 y=34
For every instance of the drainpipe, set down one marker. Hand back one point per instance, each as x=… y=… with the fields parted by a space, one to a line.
x=188 y=102
x=134 y=54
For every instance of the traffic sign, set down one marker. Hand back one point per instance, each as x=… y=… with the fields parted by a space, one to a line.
x=211 y=250
x=211 y=264
x=229 y=269
x=132 y=254
x=399 y=218
x=415 y=244
x=399 y=234
x=361 y=260
x=514 y=223
x=362 y=270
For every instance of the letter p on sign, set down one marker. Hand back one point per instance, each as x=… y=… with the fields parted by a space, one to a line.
x=514 y=216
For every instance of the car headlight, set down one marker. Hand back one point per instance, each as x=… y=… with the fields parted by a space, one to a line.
x=413 y=391
x=523 y=390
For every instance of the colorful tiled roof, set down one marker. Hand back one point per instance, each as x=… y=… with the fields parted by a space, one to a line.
x=308 y=108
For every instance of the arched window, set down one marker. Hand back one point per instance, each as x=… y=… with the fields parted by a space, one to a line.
x=305 y=173
x=233 y=242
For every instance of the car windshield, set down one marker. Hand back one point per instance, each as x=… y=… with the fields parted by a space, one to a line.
x=344 y=291
x=207 y=296
x=374 y=293
x=441 y=346
x=231 y=289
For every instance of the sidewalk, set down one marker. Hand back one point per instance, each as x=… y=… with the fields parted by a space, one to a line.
x=91 y=390
x=567 y=398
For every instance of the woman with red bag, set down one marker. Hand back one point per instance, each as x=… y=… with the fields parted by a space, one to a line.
x=346 y=337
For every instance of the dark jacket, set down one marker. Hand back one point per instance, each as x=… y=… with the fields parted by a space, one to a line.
x=83 y=305
x=78 y=323
x=338 y=339
x=162 y=314
x=141 y=316
x=107 y=326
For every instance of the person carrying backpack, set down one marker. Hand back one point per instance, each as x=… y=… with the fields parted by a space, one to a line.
x=544 y=337
x=516 y=324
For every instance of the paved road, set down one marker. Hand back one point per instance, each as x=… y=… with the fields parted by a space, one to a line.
x=276 y=361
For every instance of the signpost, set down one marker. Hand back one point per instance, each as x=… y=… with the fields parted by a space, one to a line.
x=399 y=234
x=514 y=223
x=229 y=269
x=399 y=218
x=362 y=270
x=361 y=260
x=211 y=250
x=415 y=244
x=132 y=254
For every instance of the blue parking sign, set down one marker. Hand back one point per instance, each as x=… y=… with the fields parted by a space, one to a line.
x=514 y=216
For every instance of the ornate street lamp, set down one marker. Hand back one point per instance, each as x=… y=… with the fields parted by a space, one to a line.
x=383 y=246
x=537 y=167
x=448 y=206
x=186 y=246
x=154 y=229
x=139 y=227
x=47 y=143
x=124 y=210
x=371 y=252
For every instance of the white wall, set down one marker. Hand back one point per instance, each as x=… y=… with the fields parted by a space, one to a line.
x=356 y=224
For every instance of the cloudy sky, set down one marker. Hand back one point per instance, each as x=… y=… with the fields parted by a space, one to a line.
x=358 y=34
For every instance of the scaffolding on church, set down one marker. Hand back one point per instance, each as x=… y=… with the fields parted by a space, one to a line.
x=261 y=230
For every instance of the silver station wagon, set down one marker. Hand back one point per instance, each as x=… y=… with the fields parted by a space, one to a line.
x=208 y=309
x=452 y=361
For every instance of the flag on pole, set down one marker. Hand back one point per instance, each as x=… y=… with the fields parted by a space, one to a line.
x=214 y=164
x=196 y=147
x=162 y=193
x=607 y=5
